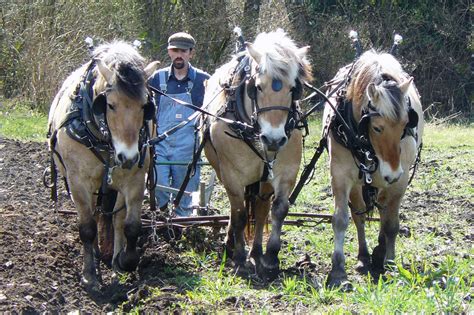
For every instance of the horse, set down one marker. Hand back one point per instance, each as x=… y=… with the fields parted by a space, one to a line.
x=373 y=141
x=97 y=125
x=259 y=88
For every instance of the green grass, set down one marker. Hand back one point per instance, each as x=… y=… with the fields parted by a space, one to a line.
x=21 y=123
x=434 y=264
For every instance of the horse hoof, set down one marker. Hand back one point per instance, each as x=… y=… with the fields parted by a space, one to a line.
x=242 y=271
x=390 y=265
x=127 y=262
x=338 y=280
x=270 y=274
x=266 y=271
x=378 y=256
x=91 y=285
x=363 y=267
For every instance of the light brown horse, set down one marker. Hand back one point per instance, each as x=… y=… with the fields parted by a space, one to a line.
x=383 y=107
x=118 y=110
x=268 y=77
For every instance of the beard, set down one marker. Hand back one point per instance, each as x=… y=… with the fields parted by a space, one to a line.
x=178 y=63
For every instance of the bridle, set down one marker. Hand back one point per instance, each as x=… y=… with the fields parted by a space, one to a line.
x=252 y=92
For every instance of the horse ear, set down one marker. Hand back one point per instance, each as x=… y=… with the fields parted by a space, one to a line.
x=405 y=85
x=255 y=54
x=151 y=67
x=303 y=51
x=372 y=92
x=105 y=71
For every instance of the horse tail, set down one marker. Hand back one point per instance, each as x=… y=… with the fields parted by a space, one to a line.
x=105 y=226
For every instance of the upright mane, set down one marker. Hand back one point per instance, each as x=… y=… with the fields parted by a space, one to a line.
x=281 y=58
x=384 y=71
x=128 y=65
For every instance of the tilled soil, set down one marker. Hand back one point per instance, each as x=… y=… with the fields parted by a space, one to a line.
x=40 y=249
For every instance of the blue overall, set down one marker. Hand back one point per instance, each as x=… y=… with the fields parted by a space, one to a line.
x=177 y=147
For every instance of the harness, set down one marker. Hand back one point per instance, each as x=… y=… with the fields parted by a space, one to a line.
x=235 y=107
x=354 y=136
x=86 y=123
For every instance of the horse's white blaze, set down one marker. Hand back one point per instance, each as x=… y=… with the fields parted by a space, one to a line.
x=389 y=174
x=274 y=134
x=129 y=152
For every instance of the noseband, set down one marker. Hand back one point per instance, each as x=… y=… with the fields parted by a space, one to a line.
x=252 y=93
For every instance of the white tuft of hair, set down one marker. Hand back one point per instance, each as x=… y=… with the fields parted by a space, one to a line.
x=238 y=31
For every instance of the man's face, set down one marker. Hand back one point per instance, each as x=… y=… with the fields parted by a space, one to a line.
x=180 y=57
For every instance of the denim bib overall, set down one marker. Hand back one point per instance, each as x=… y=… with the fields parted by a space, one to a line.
x=177 y=147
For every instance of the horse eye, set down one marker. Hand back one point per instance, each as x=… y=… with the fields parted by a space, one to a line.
x=377 y=129
x=112 y=107
x=259 y=88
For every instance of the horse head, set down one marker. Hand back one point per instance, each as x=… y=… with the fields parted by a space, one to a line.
x=121 y=95
x=380 y=91
x=278 y=70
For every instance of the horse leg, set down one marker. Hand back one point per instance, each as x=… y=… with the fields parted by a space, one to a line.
x=238 y=220
x=128 y=257
x=127 y=229
x=97 y=251
x=384 y=252
x=262 y=208
x=280 y=206
x=229 y=241
x=359 y=217
x=340 y=221
x=87 y=234
x=119 y=235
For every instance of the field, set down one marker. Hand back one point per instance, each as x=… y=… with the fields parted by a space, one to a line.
x=40 y=250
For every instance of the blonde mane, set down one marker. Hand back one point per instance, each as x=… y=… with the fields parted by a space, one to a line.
x=129 y=65
x=384 y=71
x=281 y=58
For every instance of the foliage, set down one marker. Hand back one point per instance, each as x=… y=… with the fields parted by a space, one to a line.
x=42 y=41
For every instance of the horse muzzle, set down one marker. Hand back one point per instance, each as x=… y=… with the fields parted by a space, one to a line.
x=125 y=162
x=389 y=175
x=273 y=143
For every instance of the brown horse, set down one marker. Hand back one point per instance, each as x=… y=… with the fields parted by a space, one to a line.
x=97 y=123
x=263 y=85
x=382 y=108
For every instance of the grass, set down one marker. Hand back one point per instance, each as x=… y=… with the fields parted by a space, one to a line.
x=19 y=122
x=434 y=265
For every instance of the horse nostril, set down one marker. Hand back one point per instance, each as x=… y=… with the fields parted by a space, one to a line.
x=282 y=141
x=265 y=139
x=391 y=180
x=121 y=157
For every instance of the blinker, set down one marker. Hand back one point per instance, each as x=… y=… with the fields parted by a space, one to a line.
x=277 y=85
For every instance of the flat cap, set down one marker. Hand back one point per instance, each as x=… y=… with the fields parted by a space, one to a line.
x=181 y=40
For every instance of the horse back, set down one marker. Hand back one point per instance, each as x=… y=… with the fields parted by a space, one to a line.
x=63 y=100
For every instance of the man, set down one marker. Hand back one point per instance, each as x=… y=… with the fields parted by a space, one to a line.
x=186 y=83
